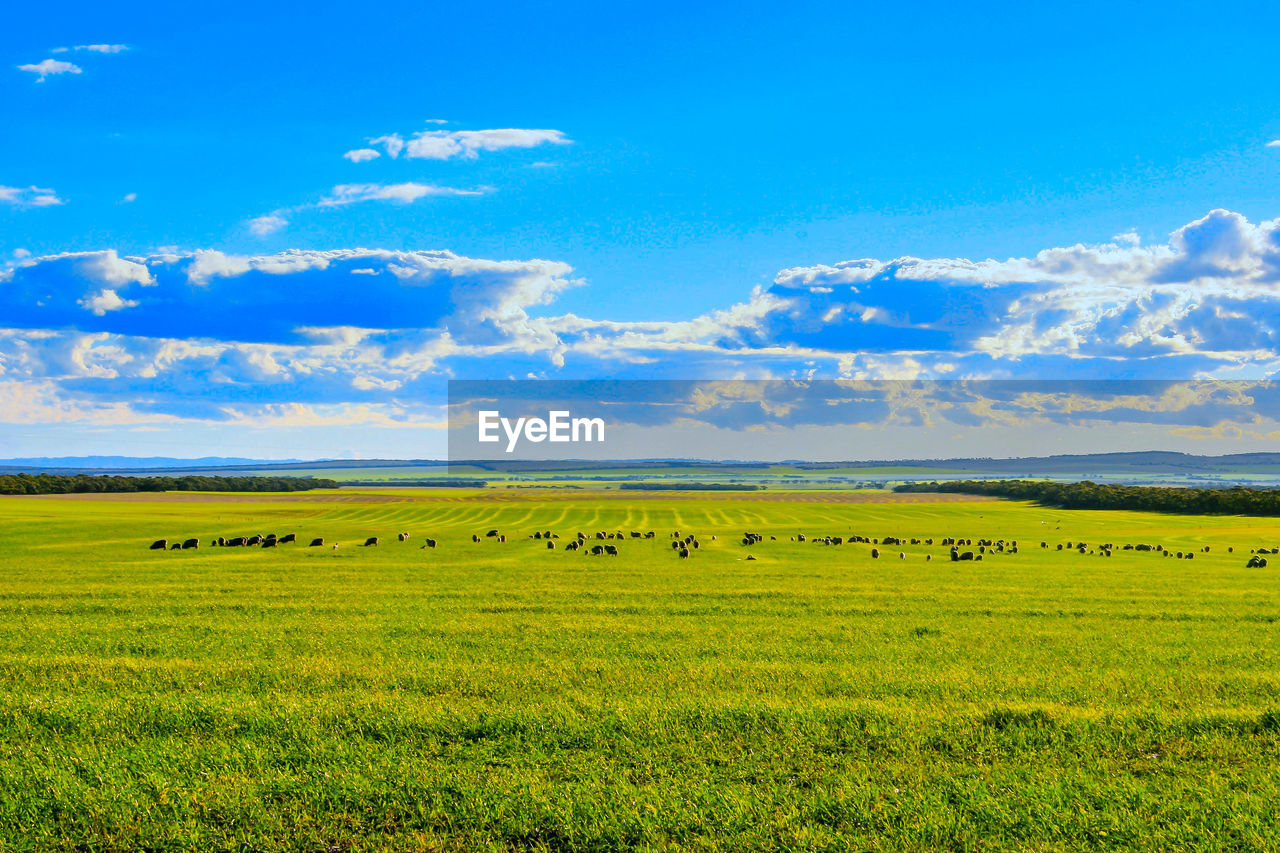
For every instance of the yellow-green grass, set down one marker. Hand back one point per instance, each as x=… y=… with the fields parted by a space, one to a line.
x=500 y=695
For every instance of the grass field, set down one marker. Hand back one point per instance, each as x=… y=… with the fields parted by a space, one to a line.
x=500 y=695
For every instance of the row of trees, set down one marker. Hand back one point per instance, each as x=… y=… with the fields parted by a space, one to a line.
x=689 y=487
x=1238 y=500
x=61 y=484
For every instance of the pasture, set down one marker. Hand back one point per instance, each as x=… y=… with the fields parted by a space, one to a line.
x=505 y=696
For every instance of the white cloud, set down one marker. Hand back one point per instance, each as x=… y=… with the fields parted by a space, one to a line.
x=1275 y=143
x=391 y=142
x=103 y=48
x=29 y=196
x=464 y=144
x=360 y=155
x=1202 y=303
x=129 y=198
x=404 y=193
x=105 y=300
x=50 y=67
x=262 y=226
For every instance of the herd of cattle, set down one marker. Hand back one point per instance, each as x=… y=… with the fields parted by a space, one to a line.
x=600 y=543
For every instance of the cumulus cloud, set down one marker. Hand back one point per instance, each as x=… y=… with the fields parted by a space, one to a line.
x=50 y=68
x=405 y=193
x=29 y=196
x=264 y=225
x=379 y=327
x=129 y=198
x=463 y=144
x=360 y=155
x=105 y=300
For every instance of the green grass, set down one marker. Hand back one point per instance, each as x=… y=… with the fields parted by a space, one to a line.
x=504 y=696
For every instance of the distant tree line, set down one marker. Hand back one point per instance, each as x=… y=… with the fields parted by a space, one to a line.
x=61 y=484
x=1238 y=500
x=690 y=487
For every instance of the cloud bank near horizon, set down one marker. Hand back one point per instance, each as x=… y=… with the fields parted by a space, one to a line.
x=357 y=336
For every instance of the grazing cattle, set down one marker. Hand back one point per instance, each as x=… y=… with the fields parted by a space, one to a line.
x=431 y=543
x=875 y=553
x=492 y=534
x=254 y=539
x=316 y=543
x=684 y=552
x=268 y=543
x=335 y=546
x=597 y=550
x=902 y=555
x=191 y=543
x=551 y=546
x=475 y=538
x=955 y=553
x=649 y=535
x=537 y=534
x=502 y=538
x=751 y=556
x=928 y=557
x=160 y=545
x=403 y=537
x=236 y=542
x=1231 y=549
x=1256 y=562
x=288 y=537
x=372 y=540
x=967 y=555
x=175 y=547
x=611 y=550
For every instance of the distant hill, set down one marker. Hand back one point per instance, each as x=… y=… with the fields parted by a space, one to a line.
x=107 y=463
x=1141 y=467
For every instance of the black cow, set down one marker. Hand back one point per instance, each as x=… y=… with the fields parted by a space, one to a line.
x=372 y=540
x=316 y=543
x=160 y=545
x=431 y=543
x=288 y=537
x=190 y=543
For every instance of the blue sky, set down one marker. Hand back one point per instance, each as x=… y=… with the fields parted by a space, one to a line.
x=188 y=262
